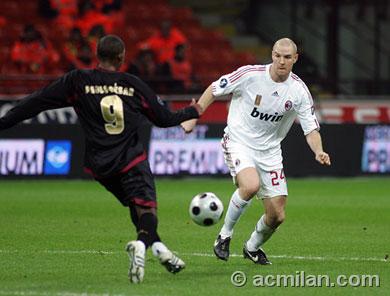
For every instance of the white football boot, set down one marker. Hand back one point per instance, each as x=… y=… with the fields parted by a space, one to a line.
x=171 y=262
x=136 y=251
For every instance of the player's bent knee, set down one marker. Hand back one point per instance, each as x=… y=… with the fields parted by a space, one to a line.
x=276 y=219
x=248 y=183
x=280 y=218
x=249 y=191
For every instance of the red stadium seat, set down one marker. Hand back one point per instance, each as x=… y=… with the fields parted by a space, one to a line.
x=162 y=11
x=207 y=75
x=140 y=11
x=227 y=56
x=146 y=31
x=182 y=15
x=201 y=56
x=132 y=34
x=194 y=33
x=4 y=57
x=213 y=35
x=44 y=30
x=137 y=2
x=246 y=58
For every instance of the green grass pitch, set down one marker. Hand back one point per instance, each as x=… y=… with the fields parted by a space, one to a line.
x=67 y=238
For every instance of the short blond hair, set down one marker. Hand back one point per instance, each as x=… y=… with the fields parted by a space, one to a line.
x=285 y=42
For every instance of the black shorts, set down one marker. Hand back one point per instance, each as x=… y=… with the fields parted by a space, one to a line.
x=133 y=187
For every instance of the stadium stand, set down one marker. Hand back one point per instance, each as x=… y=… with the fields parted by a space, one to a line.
x=134 y=21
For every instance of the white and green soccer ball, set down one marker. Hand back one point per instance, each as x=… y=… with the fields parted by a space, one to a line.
x=206 y=209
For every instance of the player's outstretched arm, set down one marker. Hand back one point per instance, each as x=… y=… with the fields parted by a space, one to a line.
x=51 y=97
x=205 y=100
x=155 y=109
x=315 y=143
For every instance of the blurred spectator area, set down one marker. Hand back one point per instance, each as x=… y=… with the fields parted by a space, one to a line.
x=209 y=51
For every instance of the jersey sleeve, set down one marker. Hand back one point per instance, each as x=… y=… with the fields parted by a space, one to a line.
x=158 y=113
x=305 y=111
x=55 y=95
x=230 y=83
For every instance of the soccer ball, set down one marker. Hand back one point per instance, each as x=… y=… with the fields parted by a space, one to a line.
x=206 y=209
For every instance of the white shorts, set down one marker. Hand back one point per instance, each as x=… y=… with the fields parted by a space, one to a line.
x=267 y=163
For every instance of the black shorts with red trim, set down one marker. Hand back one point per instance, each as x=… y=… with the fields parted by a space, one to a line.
x=135 y=187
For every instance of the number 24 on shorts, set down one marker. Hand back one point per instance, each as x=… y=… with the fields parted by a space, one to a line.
x=275 y=177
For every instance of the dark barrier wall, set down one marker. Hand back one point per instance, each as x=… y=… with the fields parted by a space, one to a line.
x=354 y=149
x=343 y=142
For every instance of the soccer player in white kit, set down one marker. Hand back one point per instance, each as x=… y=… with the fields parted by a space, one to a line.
x=266 y=99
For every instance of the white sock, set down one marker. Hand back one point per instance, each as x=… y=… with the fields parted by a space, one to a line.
x=261 y=234
x=236 y=207
x=158 y=248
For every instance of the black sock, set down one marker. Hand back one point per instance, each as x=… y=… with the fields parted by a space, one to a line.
x=134 y=217
x=147 y=229
x=156 y=238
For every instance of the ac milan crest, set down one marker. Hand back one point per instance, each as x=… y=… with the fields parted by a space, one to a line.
x=288 y=105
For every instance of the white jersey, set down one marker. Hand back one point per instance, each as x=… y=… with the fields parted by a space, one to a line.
x=262 y=111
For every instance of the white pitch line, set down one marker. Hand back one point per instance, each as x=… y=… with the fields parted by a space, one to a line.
x=298 y=257
x=37 y=293
x=60 y=252
x=101 y=252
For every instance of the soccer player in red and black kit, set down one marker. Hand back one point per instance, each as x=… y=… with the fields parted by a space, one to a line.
x=111 y=105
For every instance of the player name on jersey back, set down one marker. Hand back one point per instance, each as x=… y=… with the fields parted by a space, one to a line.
x=107 y=89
